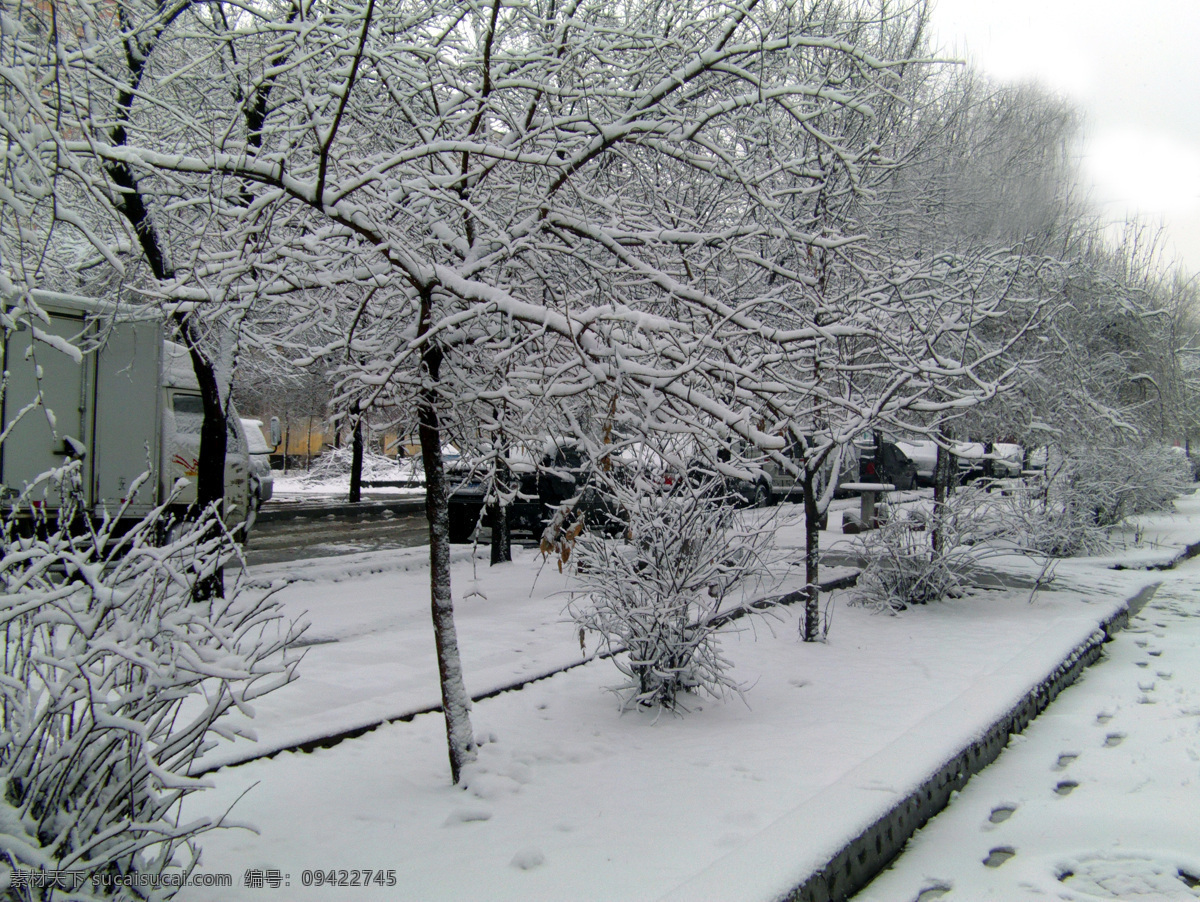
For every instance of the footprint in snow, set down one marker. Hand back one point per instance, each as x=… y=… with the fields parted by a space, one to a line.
x=467 y=816
x=1065 y=760
x=1001 y=813
x=528 y=858
x=998 y=856
x=933 y=892
x=1113 y=739
x=1065 y=787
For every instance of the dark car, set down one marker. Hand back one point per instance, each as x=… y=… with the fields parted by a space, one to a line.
x=885 y=462
x=558 y=473
x=769 y=481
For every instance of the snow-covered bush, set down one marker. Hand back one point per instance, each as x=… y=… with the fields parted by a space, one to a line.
x=1050 y=523
x=335 y=464
x=658 y=596
x=115 y=679
x=1072 y=508
x=1110 y=483
x=902 y=568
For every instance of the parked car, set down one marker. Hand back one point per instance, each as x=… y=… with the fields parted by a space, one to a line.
x=772 y=482
x=923 y=454
x=999 y=460
x=883 y=461
x=557 y=473
x=1010 y=460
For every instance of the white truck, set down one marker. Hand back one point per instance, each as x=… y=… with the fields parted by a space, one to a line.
x=128 y=405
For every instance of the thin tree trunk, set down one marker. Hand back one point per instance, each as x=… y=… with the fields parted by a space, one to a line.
x=356 y=459
x=941 y=489
x=210 y=477
x=811 y=628
x=498 y=512
x=455 y=702
x=308 y=443
x=214 y=435
x=501 y=546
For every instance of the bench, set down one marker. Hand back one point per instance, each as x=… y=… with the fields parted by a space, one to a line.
x=867 y=492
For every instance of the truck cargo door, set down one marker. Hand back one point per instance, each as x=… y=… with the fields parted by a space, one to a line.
x=53 y=431
x=128 y=415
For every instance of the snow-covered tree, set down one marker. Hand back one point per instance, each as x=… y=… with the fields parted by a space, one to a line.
x=116 y=680
x=656 y=207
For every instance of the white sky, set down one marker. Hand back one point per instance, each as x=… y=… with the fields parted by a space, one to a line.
x=1132 y=67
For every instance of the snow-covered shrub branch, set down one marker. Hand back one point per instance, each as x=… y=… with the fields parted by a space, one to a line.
x=335 y=463
x=115 y=682
x=902 y=567
x=1048 y=520
x=656 y=597
x=1107 y=483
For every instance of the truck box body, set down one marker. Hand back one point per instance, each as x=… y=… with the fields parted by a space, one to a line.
x=111 y=407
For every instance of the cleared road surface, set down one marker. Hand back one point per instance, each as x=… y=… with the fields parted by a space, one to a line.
x=288 y=534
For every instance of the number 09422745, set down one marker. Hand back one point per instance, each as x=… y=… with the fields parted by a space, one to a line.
x=352 y=877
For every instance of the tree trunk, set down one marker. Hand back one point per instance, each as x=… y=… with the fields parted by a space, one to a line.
x=810 y=629
x=501 y=533
x=214 y=434
x=941 y=489
x=356 y=460
x=210 y=476
x=308 y=443
x=455 y=702
x=498 y=512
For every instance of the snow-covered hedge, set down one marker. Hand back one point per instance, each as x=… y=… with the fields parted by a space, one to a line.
x=115 y=681
x=335 y=463
x=1050 y=523
x=1111 y=483
x=1072 y=508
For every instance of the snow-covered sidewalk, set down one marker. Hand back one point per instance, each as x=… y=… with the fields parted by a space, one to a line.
x=1098 y=799
x=571 y=799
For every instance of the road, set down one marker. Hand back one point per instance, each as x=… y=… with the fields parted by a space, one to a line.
x=327 y=527
x=341 y=531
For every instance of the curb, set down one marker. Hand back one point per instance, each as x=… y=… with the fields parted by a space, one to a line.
x=1189 y=552
x=864 y=857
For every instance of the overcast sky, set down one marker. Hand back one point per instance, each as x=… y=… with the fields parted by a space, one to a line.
x=1132 y=67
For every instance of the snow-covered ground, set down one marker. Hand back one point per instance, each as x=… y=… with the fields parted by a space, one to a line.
x=572 y=800
x=299 y=486
x=1098 y=799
